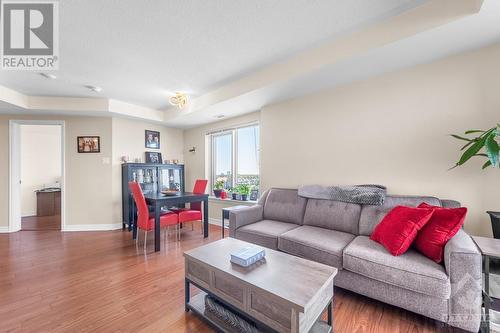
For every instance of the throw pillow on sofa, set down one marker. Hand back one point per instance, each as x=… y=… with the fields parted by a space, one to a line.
x=443 y=225
x=399 y=228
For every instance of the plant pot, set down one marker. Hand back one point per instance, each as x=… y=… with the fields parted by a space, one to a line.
x=244 y=197
x=234 y=196
x=217 y=193
x=495 y=223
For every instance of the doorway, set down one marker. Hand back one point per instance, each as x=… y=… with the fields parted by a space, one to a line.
x=36 y=193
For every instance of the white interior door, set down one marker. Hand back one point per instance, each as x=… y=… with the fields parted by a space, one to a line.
x=15 y=178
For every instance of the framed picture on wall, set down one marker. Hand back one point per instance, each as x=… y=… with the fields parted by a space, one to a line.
x=153 y=157
x=152 y=139
x=89 y=144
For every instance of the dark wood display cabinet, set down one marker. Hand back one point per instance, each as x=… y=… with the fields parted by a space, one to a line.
x=152 y=178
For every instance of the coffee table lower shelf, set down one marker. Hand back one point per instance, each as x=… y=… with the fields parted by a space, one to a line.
x=197 y=305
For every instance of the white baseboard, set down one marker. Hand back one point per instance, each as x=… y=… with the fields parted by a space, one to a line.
x=211 y=220
x=92 y=227
x=4 y=229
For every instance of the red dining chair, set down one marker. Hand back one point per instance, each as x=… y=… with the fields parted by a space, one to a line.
x=145 y=221
x=193 y=213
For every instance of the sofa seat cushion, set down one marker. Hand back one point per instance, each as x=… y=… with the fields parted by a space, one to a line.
x=314 y=243
x=264 y=233
x=411 y=270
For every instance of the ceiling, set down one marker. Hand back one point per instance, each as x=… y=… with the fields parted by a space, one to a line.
x=236 y=56
x=466 y=34
x=142 y=51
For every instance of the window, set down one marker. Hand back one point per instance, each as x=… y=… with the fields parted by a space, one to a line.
x=235 y=156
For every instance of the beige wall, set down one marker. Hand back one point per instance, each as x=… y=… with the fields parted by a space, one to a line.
x=128 y=139
x=392 y=130
x=88 y=176
x=93 y=181
x=40 y=162
x=88 y=181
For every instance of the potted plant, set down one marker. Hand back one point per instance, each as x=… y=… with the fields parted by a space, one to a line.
x=234 y=193
x=219 y=186
x=244 y=190
x=484 y=145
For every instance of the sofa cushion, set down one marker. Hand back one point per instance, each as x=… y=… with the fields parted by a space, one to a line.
x=411 y=270
x=398 y=229
x=334 y=215
x=318 y=244
x=284 y=205
x=264 y=233
x=443 y=225
x=372 y=215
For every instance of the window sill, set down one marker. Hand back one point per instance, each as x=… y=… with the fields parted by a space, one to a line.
x=229 y=201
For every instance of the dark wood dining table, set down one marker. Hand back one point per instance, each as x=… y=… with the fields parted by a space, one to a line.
x=158 y=200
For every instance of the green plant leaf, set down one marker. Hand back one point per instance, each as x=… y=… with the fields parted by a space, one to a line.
x=492 y=149
x=487 y=164
x=461 y=137
x=468 y=144
x=474 y=131
x=472 y=150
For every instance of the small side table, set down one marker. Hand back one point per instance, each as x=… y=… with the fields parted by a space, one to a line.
x=490 y=249
x=225 y=215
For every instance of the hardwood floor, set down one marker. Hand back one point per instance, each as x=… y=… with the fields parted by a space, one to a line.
x=41 y=222
x=100 y=282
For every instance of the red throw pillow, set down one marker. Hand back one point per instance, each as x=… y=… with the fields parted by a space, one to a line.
x=443 y=225
x=399 y=227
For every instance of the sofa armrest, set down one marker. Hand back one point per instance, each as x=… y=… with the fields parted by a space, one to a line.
x=239 y=218
x=463 y=264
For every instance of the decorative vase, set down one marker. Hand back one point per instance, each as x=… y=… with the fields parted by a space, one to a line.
x=244 y=197
x=223 y=195
x=495 y=223
x=217 y=193
x=234 y=196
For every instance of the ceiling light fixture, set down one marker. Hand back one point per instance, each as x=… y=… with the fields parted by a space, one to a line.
x=219 y=116
x=48 y=76
x=180 y=100
x=94 y=88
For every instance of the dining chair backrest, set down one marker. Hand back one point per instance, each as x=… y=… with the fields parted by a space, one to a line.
x=199 y=188
x=140 y=203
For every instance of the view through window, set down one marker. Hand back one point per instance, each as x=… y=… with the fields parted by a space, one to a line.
x=235 y=157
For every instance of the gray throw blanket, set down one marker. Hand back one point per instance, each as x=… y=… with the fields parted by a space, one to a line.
x=359 y=194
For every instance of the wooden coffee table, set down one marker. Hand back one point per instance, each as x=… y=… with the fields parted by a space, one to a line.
x=283 y=293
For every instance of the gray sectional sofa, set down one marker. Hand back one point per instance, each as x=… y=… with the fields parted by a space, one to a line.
x=338 y=234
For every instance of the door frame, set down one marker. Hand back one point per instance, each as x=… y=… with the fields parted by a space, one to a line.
x=15 y=145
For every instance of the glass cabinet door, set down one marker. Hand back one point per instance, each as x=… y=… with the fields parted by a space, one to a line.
x=170 y=179
x=147 y=178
